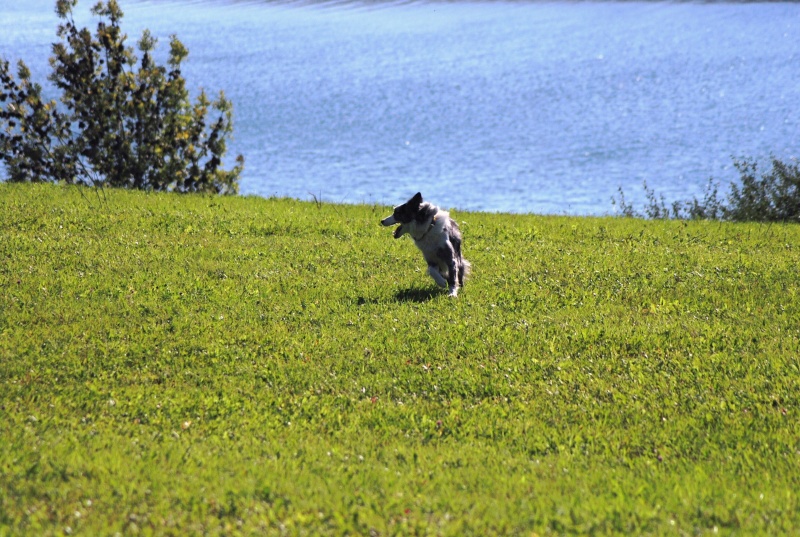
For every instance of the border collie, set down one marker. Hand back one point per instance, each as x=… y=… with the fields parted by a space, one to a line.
x=437 y=236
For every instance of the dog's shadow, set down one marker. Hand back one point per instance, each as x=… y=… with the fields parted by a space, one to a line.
x=416 y=294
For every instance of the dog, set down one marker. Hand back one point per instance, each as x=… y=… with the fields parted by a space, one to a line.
x=437 y=236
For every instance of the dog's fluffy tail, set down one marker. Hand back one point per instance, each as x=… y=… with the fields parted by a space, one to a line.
x=466 y=268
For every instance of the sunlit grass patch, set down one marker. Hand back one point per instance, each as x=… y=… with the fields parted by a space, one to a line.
x=187 y=364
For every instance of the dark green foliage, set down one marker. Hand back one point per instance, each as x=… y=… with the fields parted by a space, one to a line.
x=30 y=127
x=772 y=197
x=123 y=125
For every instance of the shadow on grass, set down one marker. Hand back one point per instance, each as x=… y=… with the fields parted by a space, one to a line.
x=417 y=294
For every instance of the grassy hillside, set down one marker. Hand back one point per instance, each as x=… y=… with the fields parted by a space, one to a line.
x=186 y=364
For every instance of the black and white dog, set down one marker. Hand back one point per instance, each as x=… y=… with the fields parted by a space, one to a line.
x=437 y=236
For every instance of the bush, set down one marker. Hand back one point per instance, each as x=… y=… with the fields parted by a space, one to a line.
x=121 y=126
x=773 y=196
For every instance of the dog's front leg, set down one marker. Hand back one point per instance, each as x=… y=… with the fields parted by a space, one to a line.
x=433 y=270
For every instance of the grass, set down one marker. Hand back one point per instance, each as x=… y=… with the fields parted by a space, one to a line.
x=178 y=365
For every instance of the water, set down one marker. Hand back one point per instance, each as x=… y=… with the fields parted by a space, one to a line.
x=545 y=107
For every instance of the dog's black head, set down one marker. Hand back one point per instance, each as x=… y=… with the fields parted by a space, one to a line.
x=405 y=213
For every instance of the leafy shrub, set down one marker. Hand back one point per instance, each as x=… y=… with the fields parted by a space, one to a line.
x=773 y=196
x=122 y=126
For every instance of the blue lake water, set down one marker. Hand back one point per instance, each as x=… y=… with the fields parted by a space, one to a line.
x=545 y=107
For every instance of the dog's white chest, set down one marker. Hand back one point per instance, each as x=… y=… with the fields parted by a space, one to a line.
x=432 y=239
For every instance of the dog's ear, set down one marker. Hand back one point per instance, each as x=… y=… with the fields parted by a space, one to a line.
x=416 y=200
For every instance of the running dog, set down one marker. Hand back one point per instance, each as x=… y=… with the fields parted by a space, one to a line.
x=437 y=236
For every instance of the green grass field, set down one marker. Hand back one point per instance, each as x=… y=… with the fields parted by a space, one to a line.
x=177 y=365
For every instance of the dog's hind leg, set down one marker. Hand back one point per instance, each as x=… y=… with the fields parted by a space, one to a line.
x=448 y=255
x=461 y=263
x=454 y=277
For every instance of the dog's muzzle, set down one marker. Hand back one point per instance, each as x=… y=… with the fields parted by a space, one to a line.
x=388 y=221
